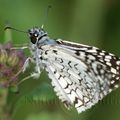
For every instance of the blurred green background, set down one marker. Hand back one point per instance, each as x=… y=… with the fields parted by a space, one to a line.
x=92 y=22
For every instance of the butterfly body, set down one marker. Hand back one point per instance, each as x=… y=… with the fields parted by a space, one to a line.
x=81 y=75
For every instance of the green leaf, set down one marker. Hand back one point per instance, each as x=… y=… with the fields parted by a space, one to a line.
x=14 y=88
x=44 y=93
x=46 y=116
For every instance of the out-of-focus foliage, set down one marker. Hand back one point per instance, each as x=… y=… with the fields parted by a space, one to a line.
x=42 y=93
x=45 y=116
x=93 y=22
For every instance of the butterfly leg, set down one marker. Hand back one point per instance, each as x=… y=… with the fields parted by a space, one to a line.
x=37 y=72
x=35 y=75
x=19 y=48
x=32 y=75
x=26 y=64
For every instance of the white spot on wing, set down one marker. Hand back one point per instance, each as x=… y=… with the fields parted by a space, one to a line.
x=62 y=82
x=79 y=103
x=113 y=70
x=92 y=51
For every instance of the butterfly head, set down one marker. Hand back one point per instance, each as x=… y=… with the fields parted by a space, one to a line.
x=36 y=34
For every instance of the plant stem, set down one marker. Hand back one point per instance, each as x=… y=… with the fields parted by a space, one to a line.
x=4 y=112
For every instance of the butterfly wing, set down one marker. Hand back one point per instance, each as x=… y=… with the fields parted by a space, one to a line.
x=81 y=75
x=104 y=65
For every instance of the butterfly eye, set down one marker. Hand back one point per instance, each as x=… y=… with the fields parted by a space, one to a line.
x=33 y=38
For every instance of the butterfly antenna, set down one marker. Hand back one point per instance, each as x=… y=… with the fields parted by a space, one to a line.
x=8 y=27
x=46 y=16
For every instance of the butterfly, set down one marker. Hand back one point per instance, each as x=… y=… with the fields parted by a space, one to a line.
x=81 y=75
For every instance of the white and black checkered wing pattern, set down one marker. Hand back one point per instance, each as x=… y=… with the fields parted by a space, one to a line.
x=81 y=75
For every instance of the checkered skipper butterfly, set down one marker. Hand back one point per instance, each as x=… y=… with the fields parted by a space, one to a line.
x=81 y=75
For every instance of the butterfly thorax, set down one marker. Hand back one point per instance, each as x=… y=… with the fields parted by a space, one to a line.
x=38 y=40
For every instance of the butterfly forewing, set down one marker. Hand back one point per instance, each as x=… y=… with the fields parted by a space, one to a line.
x=81 y=75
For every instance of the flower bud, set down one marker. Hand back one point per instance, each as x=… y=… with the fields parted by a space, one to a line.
x=11 y=62
x=13 y=59
x=3 y=56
